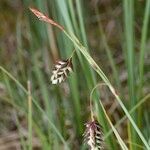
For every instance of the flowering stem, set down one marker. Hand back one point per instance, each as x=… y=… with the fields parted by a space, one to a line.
x=73 y=52
x=91 y=107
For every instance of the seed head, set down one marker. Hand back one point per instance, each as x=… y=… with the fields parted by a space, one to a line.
x=61 y=71
x=93 y=135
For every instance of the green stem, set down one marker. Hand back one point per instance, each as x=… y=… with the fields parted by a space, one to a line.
x=29 y=116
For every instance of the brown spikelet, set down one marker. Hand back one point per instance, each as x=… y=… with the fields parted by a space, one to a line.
x=93 y=135
x=44 y=18
x=61 y=71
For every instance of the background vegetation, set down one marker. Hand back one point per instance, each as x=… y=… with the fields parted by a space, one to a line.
x=115 y=33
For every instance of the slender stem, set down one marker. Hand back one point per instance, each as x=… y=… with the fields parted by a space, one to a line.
x=121 y=142
x=143 y=44
x=91 y=107
x=73 y=52
x=29 y=116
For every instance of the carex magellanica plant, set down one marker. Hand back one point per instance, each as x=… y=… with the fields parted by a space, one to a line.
x=93 y=134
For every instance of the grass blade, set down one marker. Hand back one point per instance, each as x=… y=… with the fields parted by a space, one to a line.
x=29 y=116
x=142 y=52
x=129 y=51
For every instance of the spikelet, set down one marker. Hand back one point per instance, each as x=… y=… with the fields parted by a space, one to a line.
x=61 y=71
x=44 y=18
x=93 y=135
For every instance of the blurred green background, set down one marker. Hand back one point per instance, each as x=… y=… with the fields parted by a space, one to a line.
x=116 y=33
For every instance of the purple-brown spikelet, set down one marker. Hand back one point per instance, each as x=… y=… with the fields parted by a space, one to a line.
x=61 y=71
x=93 y=135
x=45 y=18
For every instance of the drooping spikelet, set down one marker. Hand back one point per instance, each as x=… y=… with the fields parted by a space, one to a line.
x=93 y=135
x=61 y=71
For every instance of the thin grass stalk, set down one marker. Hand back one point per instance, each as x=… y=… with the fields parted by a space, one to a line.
x=81 y=22
x=73 y=16
x=142 y=53
x=143 y=44
x=29 y=116
x=129 y=37
x=120 y=141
